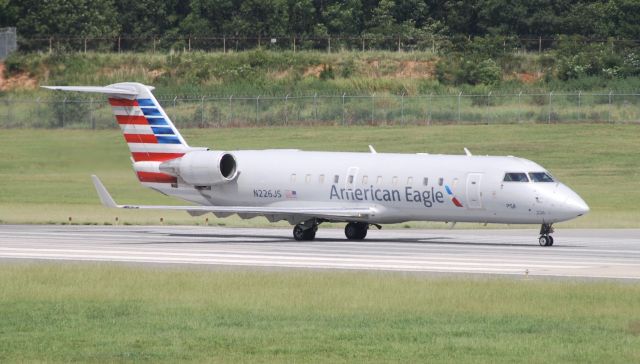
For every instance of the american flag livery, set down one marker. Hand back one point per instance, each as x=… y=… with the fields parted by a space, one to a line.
x=149 y=133
x=151 y=136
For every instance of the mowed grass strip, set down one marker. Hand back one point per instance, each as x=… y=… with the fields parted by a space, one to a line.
x=44 y=174
x=109 y=313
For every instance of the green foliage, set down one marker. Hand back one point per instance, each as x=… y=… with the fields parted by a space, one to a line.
x=458 y=71
x=327 y=73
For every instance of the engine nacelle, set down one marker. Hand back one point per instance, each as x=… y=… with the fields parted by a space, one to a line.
x=203 y=168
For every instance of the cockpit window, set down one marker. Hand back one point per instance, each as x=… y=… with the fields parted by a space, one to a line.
x=540 y=177
x=515 y=177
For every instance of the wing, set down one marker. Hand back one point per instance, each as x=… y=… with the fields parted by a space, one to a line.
x=321 y=212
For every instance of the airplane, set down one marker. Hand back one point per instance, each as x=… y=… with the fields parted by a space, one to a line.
x=308 y=188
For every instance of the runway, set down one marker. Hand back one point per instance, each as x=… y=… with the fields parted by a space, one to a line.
x=577 y=253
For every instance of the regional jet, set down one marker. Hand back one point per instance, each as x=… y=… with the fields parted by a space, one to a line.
x=309 y=188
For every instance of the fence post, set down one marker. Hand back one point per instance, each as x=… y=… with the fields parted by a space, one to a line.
x=202 y=114
x=154 y=44
x=459 y=97
x=343 y=111
x=579 y=104
x=294 y=44
x=50 y=45
x=93 y=120
x=539 y=44
x=9 y=103
x=429 y=106
x=230 y=110
x=363 y=44
x=286 y=110
x=257 y=109
x=373 y=106
x=488 y=105
x=64 y=111
x=85 y=45
x=520 y=107
x=224 y=44
x=315 y=106
x=610 y=104
x=329 y=44
x=402 y=108
x=119 y=40
x=549 y=116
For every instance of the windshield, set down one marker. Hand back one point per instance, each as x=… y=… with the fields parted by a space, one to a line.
x=515 y=177
x=540 y=177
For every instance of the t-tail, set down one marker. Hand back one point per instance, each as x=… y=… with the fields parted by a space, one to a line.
x=151 y=136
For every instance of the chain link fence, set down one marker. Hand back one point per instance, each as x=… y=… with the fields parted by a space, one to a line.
x=234 y=111
x=8 y=41
x=329 y=43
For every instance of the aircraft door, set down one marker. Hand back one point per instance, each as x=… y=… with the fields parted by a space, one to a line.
x=474 y=193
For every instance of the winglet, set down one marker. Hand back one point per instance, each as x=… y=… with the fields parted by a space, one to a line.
x=467 y=152
x=371 y=149
x=104 y=195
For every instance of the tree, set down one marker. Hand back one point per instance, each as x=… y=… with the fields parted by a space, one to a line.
x=93 y=18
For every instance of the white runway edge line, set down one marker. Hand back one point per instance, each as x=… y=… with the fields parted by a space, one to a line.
x=592 y=253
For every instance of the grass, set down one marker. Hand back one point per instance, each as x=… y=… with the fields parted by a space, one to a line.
x=44 y=174
x=106 y=313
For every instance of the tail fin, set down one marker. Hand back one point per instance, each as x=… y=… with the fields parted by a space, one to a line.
x=151 y=136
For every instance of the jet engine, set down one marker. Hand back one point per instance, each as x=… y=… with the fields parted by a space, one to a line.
x=203 y=168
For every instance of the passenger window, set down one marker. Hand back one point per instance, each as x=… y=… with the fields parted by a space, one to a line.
x=321 y=178
x=425 y=181
x=336 y=178
x=515 y=177
x=379 y=181
x=365 y=180
x=293 y=178
x=440 y=181
x=394 y=181
x=409 y=181
x=540 y=177
x=307 y=178
x=350 y=179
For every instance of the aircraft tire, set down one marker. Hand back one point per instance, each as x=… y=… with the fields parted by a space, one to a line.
x=301 y=234
x=356 y=230
x=545 y=240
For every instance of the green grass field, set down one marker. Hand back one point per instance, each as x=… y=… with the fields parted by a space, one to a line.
x=44 y=174
x=106 y=313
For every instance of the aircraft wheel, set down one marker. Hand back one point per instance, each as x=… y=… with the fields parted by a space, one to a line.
x=302 y=234
x=545 y=240
x=356 y=230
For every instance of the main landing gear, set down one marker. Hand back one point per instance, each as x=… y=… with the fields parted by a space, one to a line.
x=545 y=238
x=306 y=231
x=356 y=230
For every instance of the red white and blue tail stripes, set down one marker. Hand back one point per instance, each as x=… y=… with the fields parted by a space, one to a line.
x=147 y=130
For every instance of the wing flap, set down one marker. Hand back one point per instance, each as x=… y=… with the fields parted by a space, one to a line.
x=327 y=212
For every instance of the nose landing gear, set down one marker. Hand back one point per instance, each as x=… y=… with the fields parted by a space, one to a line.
x=545 y=235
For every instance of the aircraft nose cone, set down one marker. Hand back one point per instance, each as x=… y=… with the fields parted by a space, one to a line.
x=573 y=204
x=577 y=205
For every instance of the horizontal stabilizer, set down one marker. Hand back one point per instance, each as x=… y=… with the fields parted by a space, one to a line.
x=123 y=90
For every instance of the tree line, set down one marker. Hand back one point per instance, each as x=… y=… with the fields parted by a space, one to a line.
x=321 y=18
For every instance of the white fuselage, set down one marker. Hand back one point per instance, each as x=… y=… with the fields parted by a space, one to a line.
x=400 y=187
